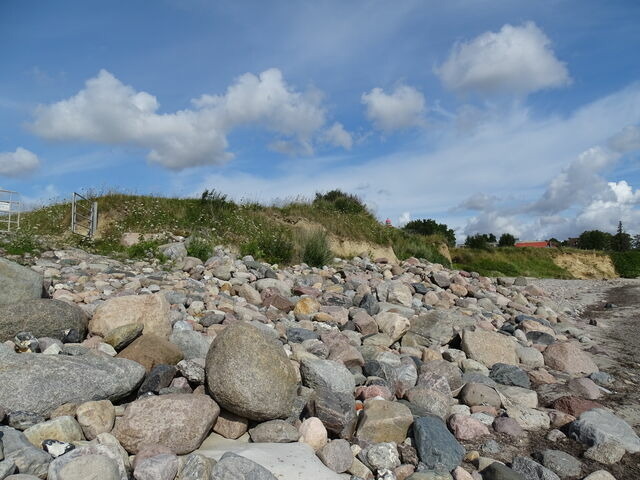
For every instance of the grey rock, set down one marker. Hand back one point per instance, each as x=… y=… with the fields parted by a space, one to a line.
x=90 y=461
x=337 y=455
x=274 y=431
x=299 y=335
x=175 y=251
x=435 y=328
x=532 y=470
x=19 y=284
x=602 y=378
x=40 y=383
x=498 y=471
x=42 y=318
x=159 y=377
x=55 y=448
x=509 y=375
x=195 y=467
x=158 y=467
x=22 y=420
x=192 y=344
x=337 y=411
x=192 y=371
x=26 y=457
x=437 y=447
x=563 y=464
x=319 y=373
x=598 y=426
x=235 y=467
x=7 y=467
x=249 y=374
x=382 y=456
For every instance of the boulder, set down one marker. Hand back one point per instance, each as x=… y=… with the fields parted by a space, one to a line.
x=274 y=431
x=102 y=462
x=337 y=455
x=151 y=350
x=489 y=348
x=192 y=344
x=532 y=470
x=27 y=458
x=393 y=324
x=383 y=421
x=435 y=328
x=437 y=447
x=19 y=284
x=290 y=461
x=599 y=426
x=329 y=374
x=63 y=429
x=249 y=374
x=41 y=383
x=152 y=311
x=177 y=421
x=570 y=358
x=42 y=318
x=96 y=418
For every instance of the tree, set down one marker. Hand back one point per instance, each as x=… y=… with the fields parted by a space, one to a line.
x=636 y=242
x=594 y=240
x=507 y=240
x=431 y=227
x=491 y=238
x=621 y=241
x=479 y=240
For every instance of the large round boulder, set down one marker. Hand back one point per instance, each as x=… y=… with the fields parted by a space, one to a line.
x=41 y=317
x=249 y=374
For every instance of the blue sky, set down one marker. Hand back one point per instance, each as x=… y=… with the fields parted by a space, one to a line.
x=492 y=116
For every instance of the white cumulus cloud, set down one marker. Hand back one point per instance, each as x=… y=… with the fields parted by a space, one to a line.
x=403 y=108
x=18 y=163
x=517 y=59
x=110 y=112
x=336 y=135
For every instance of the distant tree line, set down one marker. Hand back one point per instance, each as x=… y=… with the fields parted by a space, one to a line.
x=621 y=241
x=431 y=227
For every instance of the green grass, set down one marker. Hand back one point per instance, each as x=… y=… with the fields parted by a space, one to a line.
x=510 y=262
x=268 y=232
x=627 y=263
x=314 y=246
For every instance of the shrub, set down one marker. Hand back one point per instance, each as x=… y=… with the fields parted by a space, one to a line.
x=415 y=246
x=431 y=227
x=479 y=241
x=272 y=246
x=315 y=250
x=340 y=201
x=20 y=243
x=507 y=240
x=145 y=250
x=627 y=263
x=199 y=248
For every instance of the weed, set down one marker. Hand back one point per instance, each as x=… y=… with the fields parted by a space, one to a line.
x=315 y=250
x=199 y=248
x=273 y=246
x=627 y=263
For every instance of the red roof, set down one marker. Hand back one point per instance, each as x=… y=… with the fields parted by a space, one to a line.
x=532 y=244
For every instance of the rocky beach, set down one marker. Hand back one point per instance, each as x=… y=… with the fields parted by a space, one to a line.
x=236 y=369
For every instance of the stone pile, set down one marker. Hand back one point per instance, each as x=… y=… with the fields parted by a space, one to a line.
x=235 y=369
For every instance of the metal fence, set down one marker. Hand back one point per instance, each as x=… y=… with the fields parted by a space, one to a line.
x=84 y=216
x=9 y=211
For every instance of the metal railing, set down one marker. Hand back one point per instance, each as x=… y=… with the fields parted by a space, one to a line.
x=84 y=216
x=9 y=211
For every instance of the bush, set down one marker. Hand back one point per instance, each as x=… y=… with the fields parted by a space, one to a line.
x=415 y=246
x=340 y=201
x=627 y=263
x=594 y=240
x=507 y=240
x=145 y=250
x=431 y=227
x=20 y=243
x=479 y=241
x=199 y=248
x=272 y=246
x=315 y=250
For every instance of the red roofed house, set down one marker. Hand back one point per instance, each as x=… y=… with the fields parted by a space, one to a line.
x=533 y=244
